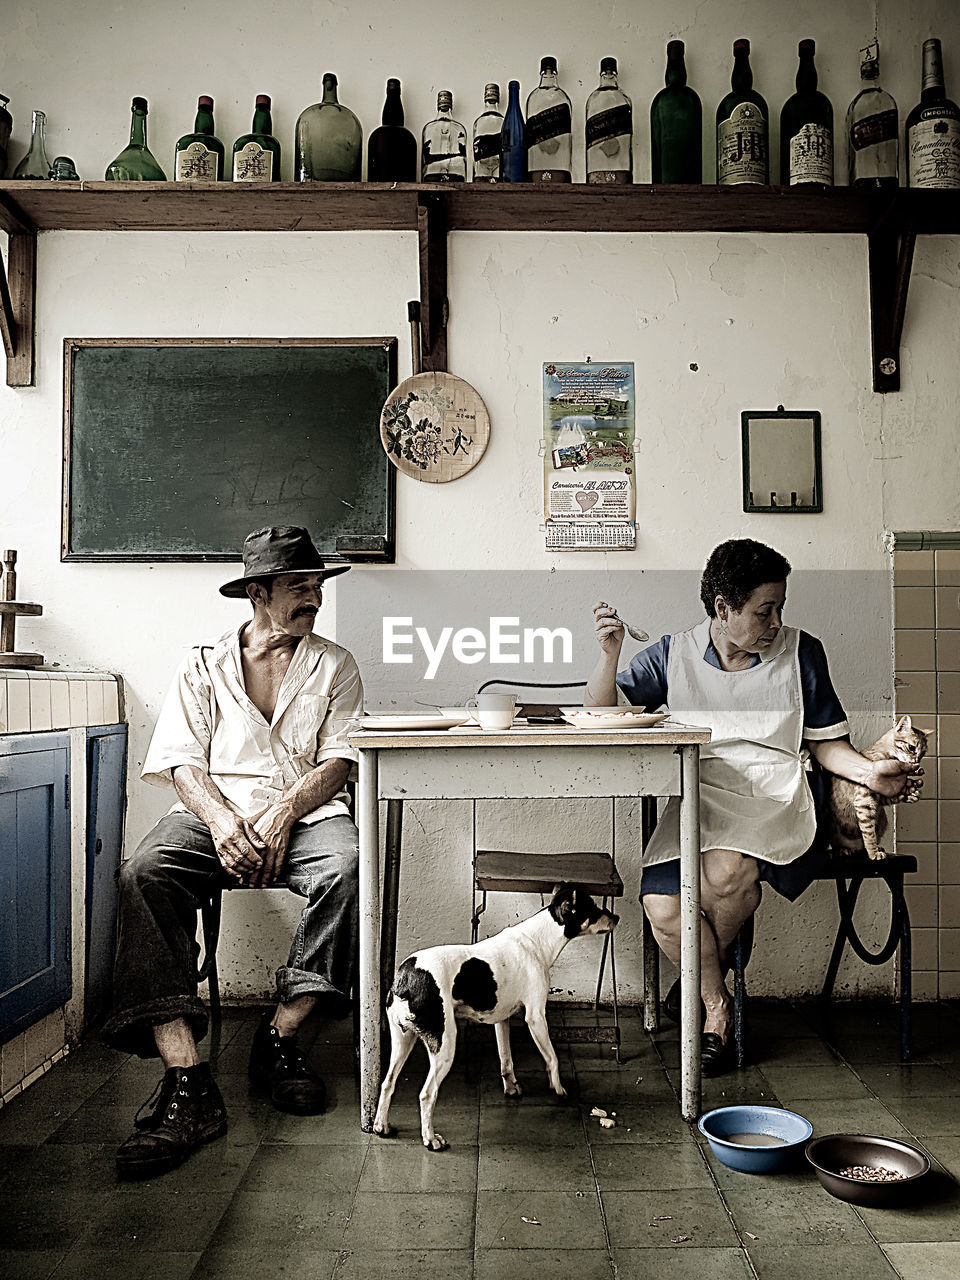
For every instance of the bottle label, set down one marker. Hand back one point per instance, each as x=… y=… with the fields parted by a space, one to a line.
x=933 y=155
x=742 y=146
x=873 y=130
x=609 y=124
x=486 y=146
x=811 y=155
x=552 y=123
x=196 y=163
x=253 y=163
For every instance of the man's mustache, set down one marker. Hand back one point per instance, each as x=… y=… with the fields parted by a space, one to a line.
x=305 y=609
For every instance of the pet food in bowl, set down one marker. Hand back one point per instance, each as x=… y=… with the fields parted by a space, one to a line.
x=755 y=1139
x=867 y=1170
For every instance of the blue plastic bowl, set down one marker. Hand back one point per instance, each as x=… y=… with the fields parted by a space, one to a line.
x=718 y=1125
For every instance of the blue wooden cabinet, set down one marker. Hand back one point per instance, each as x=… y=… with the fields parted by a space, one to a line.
x=35 y=940
x=106 y=791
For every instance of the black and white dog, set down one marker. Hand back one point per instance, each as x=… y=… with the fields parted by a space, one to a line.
x=485 y=983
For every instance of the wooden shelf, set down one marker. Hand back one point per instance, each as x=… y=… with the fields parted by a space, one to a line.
x=890 y=220
x=294 y=206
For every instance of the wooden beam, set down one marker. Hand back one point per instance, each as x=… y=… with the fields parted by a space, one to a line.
x=22 y=280
x=882 y=249
x=8 y=323
x=432 y=232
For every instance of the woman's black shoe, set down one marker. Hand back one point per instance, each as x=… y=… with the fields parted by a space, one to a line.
x=189 y=1111
x=671 y=1005
x=279 y=1068
x=716 y=1058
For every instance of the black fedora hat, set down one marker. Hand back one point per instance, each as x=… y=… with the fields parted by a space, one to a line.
x=278 y=549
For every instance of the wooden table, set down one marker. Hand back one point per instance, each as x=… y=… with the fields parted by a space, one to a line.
x=521 y=763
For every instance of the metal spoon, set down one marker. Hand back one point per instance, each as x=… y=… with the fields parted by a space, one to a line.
x=633 y=631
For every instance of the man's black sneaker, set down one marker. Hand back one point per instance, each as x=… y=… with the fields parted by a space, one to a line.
x=279 y=1068
x=189 y=1111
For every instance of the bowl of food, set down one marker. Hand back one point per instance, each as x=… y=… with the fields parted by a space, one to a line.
x=753 y=1138
x=865 y=1169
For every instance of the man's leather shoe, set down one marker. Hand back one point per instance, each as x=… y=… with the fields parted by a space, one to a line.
x=279 y=1068
x=716 y=1057
x=188 y=1112
x=671 y=1005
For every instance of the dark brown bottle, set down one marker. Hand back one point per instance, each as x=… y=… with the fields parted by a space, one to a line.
x=392 y=149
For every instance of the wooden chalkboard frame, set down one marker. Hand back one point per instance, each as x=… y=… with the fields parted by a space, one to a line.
x=375 y=548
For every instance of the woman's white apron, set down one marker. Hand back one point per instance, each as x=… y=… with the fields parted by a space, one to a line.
x=754 y=794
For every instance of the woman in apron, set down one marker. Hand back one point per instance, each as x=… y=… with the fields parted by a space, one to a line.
x=764 y=691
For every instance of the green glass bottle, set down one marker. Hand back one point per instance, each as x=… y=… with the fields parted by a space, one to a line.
x=676 y=125
x=35 y=166
x=135 y=163
x=199 y=155
x=806 y=128
x=256 y=155
x=742 y=133
x=329 y=140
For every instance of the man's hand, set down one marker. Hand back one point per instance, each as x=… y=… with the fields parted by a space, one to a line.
x=273 y=831
x=895 y=781
x=239 y=847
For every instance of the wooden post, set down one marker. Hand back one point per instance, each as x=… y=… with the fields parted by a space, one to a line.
x=8 y=591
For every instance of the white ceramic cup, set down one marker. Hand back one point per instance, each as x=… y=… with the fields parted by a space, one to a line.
x=493 y=711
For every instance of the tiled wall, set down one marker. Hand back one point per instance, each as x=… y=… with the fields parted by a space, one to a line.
x=32 y=701
x=927 y=665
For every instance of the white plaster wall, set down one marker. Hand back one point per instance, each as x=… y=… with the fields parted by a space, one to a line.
x=766 y=320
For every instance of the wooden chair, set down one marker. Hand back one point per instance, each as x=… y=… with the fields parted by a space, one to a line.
x=506 y=871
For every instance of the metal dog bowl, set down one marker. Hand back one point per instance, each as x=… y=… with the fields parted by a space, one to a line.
x=836 y=1151
x=788 y=1131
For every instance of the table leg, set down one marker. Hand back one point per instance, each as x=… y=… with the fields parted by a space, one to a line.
x=690 y=1098
x=368 y=821
x=391 y=893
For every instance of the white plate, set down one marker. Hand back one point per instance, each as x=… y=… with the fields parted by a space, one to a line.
x=629 y=709
x=382 y=724
x=630 y=720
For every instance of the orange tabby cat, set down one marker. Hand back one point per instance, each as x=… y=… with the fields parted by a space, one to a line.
x=857 y=819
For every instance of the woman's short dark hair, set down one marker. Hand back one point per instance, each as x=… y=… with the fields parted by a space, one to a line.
x=736 y=568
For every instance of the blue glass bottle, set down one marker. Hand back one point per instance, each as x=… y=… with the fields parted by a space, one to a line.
x=513 y=140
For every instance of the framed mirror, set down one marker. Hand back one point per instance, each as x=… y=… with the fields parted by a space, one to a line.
x=781 y=462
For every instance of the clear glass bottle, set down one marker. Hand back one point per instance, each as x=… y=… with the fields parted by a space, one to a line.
x=199 y=155
x=743 y=153
x=513 y=139
x=256 y=155
x=933 y=129
x=806 y=128
x=136 y=163
x=609 y=129
x=873 y=128
x=443 y=154
x=486 y=137
x=549 y=128
x=35 y=166
x=676 y=125
x=63 y=170
x=329 y=140
x=392 y=149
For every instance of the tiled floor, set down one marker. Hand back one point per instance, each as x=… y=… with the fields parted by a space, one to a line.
x=532 y=1188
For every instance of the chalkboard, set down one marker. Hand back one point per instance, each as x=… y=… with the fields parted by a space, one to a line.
x=176 y=448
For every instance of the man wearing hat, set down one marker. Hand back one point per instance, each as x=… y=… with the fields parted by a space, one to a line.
x=253 y=736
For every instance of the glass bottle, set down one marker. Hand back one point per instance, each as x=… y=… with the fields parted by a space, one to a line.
x=256 y=155
x=676 y=125
x=64 y=170
x=329 y=140
x=549 y=128
x=443 y=156
x=392 y=149
x=609 y=129
x=486 y=137
x=742 y=132
x=513 y=139
x=933 y=129
x=6 y=127
x=873 y=129
x=35 y=164
x=136 y=163
x=806 y=128
x=199 y=155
